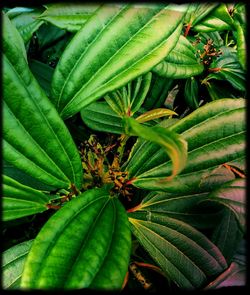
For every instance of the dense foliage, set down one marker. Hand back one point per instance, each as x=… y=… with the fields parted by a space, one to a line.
x=124 y=146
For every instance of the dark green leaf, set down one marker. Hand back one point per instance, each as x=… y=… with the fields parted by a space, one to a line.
x=191 y=93
x=43 y=149
x=43 y=73
x=12 y=264
x=185 y=255
x=88 y=72
x=92 y=237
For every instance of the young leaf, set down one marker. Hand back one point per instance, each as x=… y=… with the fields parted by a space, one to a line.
x=181 y=62
x=185 y=255
x=20 y=200
x=25 y=20
x=68 y=16
x=12 y=264
x=172 y=143
x=215 y=134
x=86 y=244
x=128 y=99
x=154 y=114
x=35 y=138
x=105 y=61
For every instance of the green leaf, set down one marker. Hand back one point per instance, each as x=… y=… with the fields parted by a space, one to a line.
x=181 y=62
x=172 y=143
x=215 y=134
x=158 y=91
x=191 y=93
x=68 y=16
x=128 y=99
x=227 y=67
x=12 y=264
x=43 y=73
x=91 y=234
x=232 y=195
x=20 y=200
x=185 y=255
x=25 y=20
x=43 y=149
x=87 y=72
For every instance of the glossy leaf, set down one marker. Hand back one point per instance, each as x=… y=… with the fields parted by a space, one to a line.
x=25 y=20
x=12 y=264
x=68 y=16
x=227 y=67
x=43 y=149
x=172 y=143
x=215 y=134
x=128 y=99
x=184 y=254
x=20 y=200
x=88 y=72
x=91 y=233
x=191 y=93
x=181 y=62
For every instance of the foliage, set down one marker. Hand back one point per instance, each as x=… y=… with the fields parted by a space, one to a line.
x=124 y=145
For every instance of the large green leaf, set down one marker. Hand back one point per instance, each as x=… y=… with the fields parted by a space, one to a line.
x=12 y=264
x=68 y=16
x=185 y=255
x=172 y=143
x=25 y=20
x=181 y=62
x=86 y=244
x=35 y=138
x=215 y=134
x=20 y=200
x=118 y=44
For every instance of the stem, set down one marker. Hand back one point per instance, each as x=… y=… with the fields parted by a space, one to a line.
x=188 y=27
x=121 y=148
